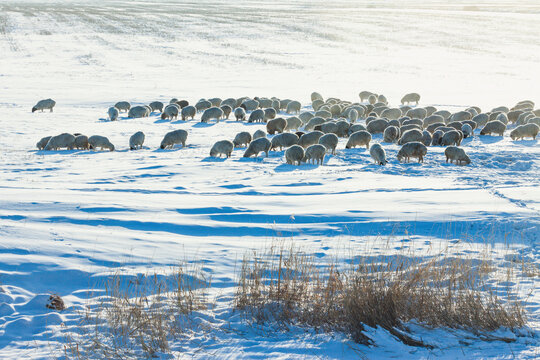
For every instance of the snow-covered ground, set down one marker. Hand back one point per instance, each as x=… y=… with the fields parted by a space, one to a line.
x=67 y=218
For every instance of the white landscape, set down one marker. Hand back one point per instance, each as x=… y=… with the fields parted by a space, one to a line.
x=72 y=221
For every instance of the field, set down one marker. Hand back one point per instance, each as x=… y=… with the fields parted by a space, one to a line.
x=70 y=219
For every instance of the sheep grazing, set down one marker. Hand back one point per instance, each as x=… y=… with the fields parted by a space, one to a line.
x=230 y=102
x=212 y=113
x=310 y=138
x=156 y=105
x=276 y=104
x=452 y=137
x=46 y=104
x=430 y=110
x=306 y=116
x=294 y=107
x=330 y=142
x=535 y=120
x=437 y=137
x=359 y=138
x=113 y=113
x=269 y=113
x=136 y=140
x=173 y=101
x=259 y=134
x=293 y=123
x=417 y=113
x=242 y=139
x=43 y=142
x=317 y=104
x=409 y=98
x=459 y=116
x=64 y=140
x=513 y=115
x=123 y=106
x=455 y=124
x=426 y=138
x=432 y=119
x=283 y=140
x=174 y=137
x=316 y=96
x=444 y=113
x=378 y=154
x=342 y=128
x=182 y=103
x=391 y=114
x=138 y=112
x=524 y=118
x=382 y=99
x=502 y=118
x=264 y=102
x=391 y=134
x=327 y=127
x=467 y=130
x=377 y=126
x=433 y=127
x=226 y=111
x=412 y=150
x=315 y=153
x=240 y=114
x=481 y=119
x=453 y=153
x=188 y=112
x=81 y=142
x=335 y=110
x=215 y=102
x=419 y=123
x=222 y=147
x=250 y=105
x=352 y=115
x=256 y=146
x=170 y=112
x=315 y=121
x=372 y=99
x=356 y=127
x=523 y=131
x=410 y=136
x=294 y=155
x=364 y=95
x=101 y=142
x=256 y=116
x=203 y=105
x=493 y=127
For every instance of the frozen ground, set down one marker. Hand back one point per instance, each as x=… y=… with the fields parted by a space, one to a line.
x=69 y=217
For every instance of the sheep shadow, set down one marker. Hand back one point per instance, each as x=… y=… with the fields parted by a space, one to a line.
x=203 y=125
x=527 y=143
x=176 y=147
x=283 y=168
x=489 y=139
x=258 y=159
x=159 y=121
x=178 y=121
x=214 y=159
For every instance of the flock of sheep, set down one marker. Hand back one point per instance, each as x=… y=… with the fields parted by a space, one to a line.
x=308 y=135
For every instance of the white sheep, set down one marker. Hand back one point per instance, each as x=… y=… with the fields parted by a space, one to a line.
x=391 y=114
x=174 y=137
x=43 y=142
x=356 y=127
x=481 y=119
x=409 y=98
x=187 y=112
x=502 y=117
x=64 y=140
x=293 y=123
x=430 y=110
x=215 y=102
x=276 y=104
x=97 y=141
x=212 y=113
x=113 y=113
x=432 y=119
x=264 y=102
x=283 y=140
x=138 y=112
x=316 y=96
x=240 y=114
x=259 y=134
x=417 y=113
x=377 y=126
x=467 y=130
x=256 y=146
x=452 y=137
x=250 y=105
x=433 y=127
x=123 y=106
x=294 y=107
x=256 y=116
x=527 y=130
x=226 y=111
x=242 y=138
x=426 y=138
x=314 y=121
x=391 y=134
x=444 y=113
x=413 y=135
x=81 y=142
x=317 y=104
x=136 y=140
x=419 y=123
x=459 y=116
x=364 y=95
x=306 y=116
x=269 y=113
x=359 y=138
x=378 y=154
x=315 y=153
x=412 y=150
x=343 y=127
x=310 y=138
x=372 y=99
x=437 y=137
x=330 y=142
x=47 y=104
x=229 y=101
x=202 y=105
x=535 y=120
x=453 y=153
x=156 y=105
x=352 y=115
x=222 y=147
x=170 y=112
x=495 y=127
x=382 y=99
x=294 y=155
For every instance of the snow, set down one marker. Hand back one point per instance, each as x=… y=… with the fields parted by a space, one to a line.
x=69 y=218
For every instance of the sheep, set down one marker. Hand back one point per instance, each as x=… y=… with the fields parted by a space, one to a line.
x=433 y=127
x=242 y=138
x=306 y=116
x=432 y=119
x=327 y=127
x=256 y=116
x=453 y=153
x=502 y=118
x=123 y=106
x=212 y=113
x=182 y=103
x=316 y=96
x=471 y=123
x=226 y=111
x=378 y=154
x=394 y=123
x=64 y=140
x=364 y=95
x=324 y=114
x=430 y=110
x=342 y=128
x=293 y=123
x=240 y=114
x=455 y=124
x=276 y=104
x=293 y=107
x=173 y=101
x=377 y=126
x=259 y=134
x=444 y=113
x=294 y=155
x=81 y=142
x=264 y=102
x=316 y=105
x=310 y=138
x=315 y=153
x=317 y=120
x=417 y=113
x=467 y=130
x=269 y=114
x=222 y=147
x=412 y=150
x=372 y=99
x=283 y=140
x=97 y=141
x=391 y=114
x=391 y=134
x=215 y=102
x=459 y=116
x=410 y=136
x=535 y=120
x=188 y=111
x=174 y=137
x=229 y=101
x=138 y=112
x=452 y=137
x=502 y=109
x=156 y=105
x=113 y=113
x=437 y=137
x=359 y=138
x=330 y=141
x=378 y=110
x=426 y=138
x=249 y=105
x=276 y=125
x=202 y=105
x=43 y=142
x=481 y=119
x=335 y=110
x=171 y=112
x=513 y=115
x=524 y=118
x=44 y=104
x=382 y=99
x=416 y=122
x=136 y=140
x=256 y=146
x=527 y=130
x=495 y=127
x=472 y=111
x=409 y=98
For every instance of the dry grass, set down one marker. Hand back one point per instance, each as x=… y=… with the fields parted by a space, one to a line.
x=289 y=286
x=137 y=316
